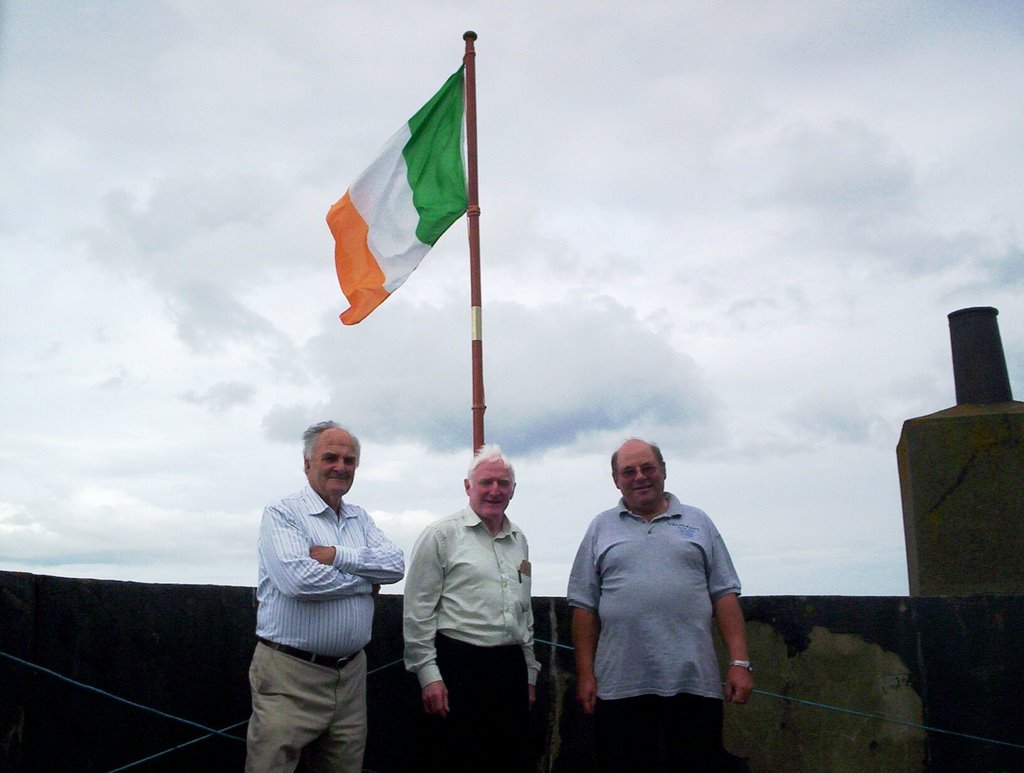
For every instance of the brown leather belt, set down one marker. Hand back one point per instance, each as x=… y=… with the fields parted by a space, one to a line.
x=310 y=657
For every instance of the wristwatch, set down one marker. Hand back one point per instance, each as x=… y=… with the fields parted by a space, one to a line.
x=742 y=664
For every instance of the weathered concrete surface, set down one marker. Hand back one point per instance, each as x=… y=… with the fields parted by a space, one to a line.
x=948 y=663
x=962 y=482
x=836 y=669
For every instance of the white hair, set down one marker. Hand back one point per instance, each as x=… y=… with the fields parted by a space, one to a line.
x=491 y=452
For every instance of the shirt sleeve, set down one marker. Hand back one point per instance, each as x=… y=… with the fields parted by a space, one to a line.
x=379 y=560
x=423 y=586
x=722 y=577
x=532 y=664
x=584 y=581
x=284 y=548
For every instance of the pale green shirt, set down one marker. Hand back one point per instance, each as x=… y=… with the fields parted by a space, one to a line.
x=470 y=586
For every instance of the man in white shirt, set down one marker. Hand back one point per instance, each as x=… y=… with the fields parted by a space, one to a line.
x=468 y=627
x=320 y=562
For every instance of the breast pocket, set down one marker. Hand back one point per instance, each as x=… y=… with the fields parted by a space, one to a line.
x=525 y=582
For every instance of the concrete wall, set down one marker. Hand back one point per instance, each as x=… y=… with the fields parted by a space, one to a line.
x=950 y=663
x=962 y=483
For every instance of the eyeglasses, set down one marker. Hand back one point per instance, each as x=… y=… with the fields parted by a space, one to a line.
x=647 y=470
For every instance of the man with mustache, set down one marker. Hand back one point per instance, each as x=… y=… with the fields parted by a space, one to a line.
x=649 y=576
x=321 y=560
x=468 y=628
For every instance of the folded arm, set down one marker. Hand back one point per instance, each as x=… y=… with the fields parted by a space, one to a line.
x=285 y=552
x=380 y=561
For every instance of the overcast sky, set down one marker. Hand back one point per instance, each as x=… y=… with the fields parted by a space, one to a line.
x=732 y=228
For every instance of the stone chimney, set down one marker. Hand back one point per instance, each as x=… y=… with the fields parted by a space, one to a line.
x=962 y=474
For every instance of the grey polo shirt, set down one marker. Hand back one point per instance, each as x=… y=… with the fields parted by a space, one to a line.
x=653 y=586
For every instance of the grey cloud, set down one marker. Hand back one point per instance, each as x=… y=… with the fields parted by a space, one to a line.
x=285 y=423
x=189 y=207
x=207 y=317
x=222 y=397
x=1003 y=268
x=563 y=371
x=835 y=418
x=913 y=249
x=553 y=375
x=845 y=169
x=190 y=227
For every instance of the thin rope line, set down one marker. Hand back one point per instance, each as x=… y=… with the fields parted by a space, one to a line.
x=381 y=668
x=119 y=699
x=893 y=721
x=210 y=732
x=231 y=727
x=856 y=713
x=179 y=746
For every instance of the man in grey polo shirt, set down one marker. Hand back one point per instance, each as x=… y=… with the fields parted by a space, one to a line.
x=649 y=577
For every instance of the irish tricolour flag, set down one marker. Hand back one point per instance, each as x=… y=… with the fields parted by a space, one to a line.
x=392 y=215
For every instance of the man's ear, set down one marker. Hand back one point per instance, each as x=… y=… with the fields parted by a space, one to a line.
x=305 y=464
x=465 y=483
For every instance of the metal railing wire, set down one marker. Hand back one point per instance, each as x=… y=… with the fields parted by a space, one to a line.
x=224 y=732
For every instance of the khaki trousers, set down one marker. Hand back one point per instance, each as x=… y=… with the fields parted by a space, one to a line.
x=300 y=709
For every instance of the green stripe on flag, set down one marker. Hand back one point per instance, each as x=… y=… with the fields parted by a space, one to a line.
x=433 y=156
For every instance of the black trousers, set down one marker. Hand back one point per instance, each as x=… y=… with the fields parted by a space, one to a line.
x=657 y=734
x=488 y=723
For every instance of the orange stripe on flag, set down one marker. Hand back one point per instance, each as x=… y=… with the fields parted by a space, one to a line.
x=359 y=274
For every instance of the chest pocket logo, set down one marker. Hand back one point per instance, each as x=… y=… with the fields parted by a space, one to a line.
x=686 y=530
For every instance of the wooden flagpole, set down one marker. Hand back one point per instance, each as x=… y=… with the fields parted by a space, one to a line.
x=473 y=221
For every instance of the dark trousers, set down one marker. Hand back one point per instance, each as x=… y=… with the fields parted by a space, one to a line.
x=488 y=724
x=656 y=734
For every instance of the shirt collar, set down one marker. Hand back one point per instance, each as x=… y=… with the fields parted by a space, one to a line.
x=471 y=520
x=674 y=510
x=317 y=506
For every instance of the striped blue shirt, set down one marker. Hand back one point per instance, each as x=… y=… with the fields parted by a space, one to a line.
x=303 y=603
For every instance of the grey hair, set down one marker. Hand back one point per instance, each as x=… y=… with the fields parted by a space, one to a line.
x=491 y=452
x=309 y=438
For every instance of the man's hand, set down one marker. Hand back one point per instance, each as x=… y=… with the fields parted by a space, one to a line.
x=586 y=692
x=739 y=683
x=533 y=695
x=435 y=699
x=586 y=628
x=323 y=555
